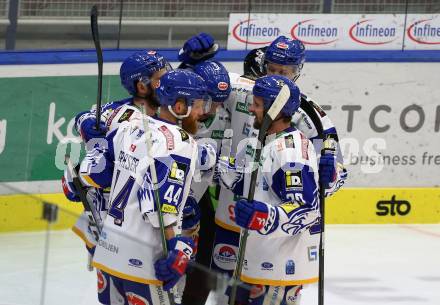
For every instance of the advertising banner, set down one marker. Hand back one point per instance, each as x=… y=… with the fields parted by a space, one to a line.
x=337 y=31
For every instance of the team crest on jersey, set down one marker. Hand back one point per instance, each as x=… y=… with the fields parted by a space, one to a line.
x=168 y=136
x=177 y=172
x=293 y=180
x=126 y=115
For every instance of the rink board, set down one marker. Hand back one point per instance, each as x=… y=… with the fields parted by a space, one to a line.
x=348 y=206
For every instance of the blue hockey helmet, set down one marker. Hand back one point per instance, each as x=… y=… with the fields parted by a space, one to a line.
x=216 y=78
x=286 y=52
x=268 y=87
x=140 y=66
x=183 y=84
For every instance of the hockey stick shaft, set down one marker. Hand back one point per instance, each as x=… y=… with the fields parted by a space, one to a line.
x=88 y=209
x=272 y=113
x=96 y=41
x=154 y=182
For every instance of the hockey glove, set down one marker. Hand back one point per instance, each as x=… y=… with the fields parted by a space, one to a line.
x=170 y=269
x=68 y=188
x=198 y=48
x=191 y=214
x=251 y=215
x=87 y=127
x=229 y=174
x=327 y=170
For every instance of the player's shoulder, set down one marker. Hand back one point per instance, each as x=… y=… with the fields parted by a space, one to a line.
x=175 y=137
x=121 y=114
x=291 y=143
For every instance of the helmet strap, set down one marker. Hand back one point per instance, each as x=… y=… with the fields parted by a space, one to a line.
x=179 y=116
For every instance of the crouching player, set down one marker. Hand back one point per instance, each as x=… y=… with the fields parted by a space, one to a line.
x=129 y=251
x=283 y=218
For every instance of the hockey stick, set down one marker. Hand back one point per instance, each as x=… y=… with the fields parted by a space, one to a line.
x=96 y=41
x=271 y=114
x=148 y=142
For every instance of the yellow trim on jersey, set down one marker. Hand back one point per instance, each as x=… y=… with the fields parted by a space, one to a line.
x=82 y=236
x=251 y=280
x=91 y=182
x=227 y=226
x=126 y=276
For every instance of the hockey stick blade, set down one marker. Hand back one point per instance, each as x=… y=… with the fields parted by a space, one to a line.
x=96 y=41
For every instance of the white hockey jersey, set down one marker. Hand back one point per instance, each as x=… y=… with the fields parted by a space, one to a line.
x=130 y=242
x=96 y=196
x=237 y=106
x=288 y=181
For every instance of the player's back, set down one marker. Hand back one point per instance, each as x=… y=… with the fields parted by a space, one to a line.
x=130 y=241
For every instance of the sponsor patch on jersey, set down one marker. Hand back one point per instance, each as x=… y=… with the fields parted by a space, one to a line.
x=267 y=266
x=257 y=291
x=168 y=136
x=265 y=185
x=289 y=142
x=249 y=150
x=217 y=134
x=126 y=115
x=177 y=172
x=290 y=267
x=102 y=282
x=312 y=253
x=135 y=262
x=246 y=129
x=242 y=107
x=135 y=299
x=304 y=147
x=183 y=134
x=293 y=180
x=222 y=86
x=139 y=134
x=225 y=256
x=127 y=161
x=168 y=208
x=112 y=116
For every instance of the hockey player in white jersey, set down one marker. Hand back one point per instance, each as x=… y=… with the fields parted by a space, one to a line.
x=283 y=218
x=129 y=249
x=139 y=73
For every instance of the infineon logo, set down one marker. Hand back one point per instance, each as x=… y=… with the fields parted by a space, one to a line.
x=365 y=32
x=314 y=34
x=423 y=32
x=247 y=31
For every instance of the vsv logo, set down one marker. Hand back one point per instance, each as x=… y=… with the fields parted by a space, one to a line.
x=423 y=32
x=367 y=33
x=310 y=32
x=247 y=31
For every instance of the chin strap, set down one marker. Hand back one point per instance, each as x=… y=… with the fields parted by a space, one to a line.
x=180 y=116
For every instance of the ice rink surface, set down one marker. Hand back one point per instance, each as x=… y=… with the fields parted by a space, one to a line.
x=365 y=265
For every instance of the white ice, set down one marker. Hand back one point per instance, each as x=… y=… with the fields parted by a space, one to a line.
x=374 y=265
